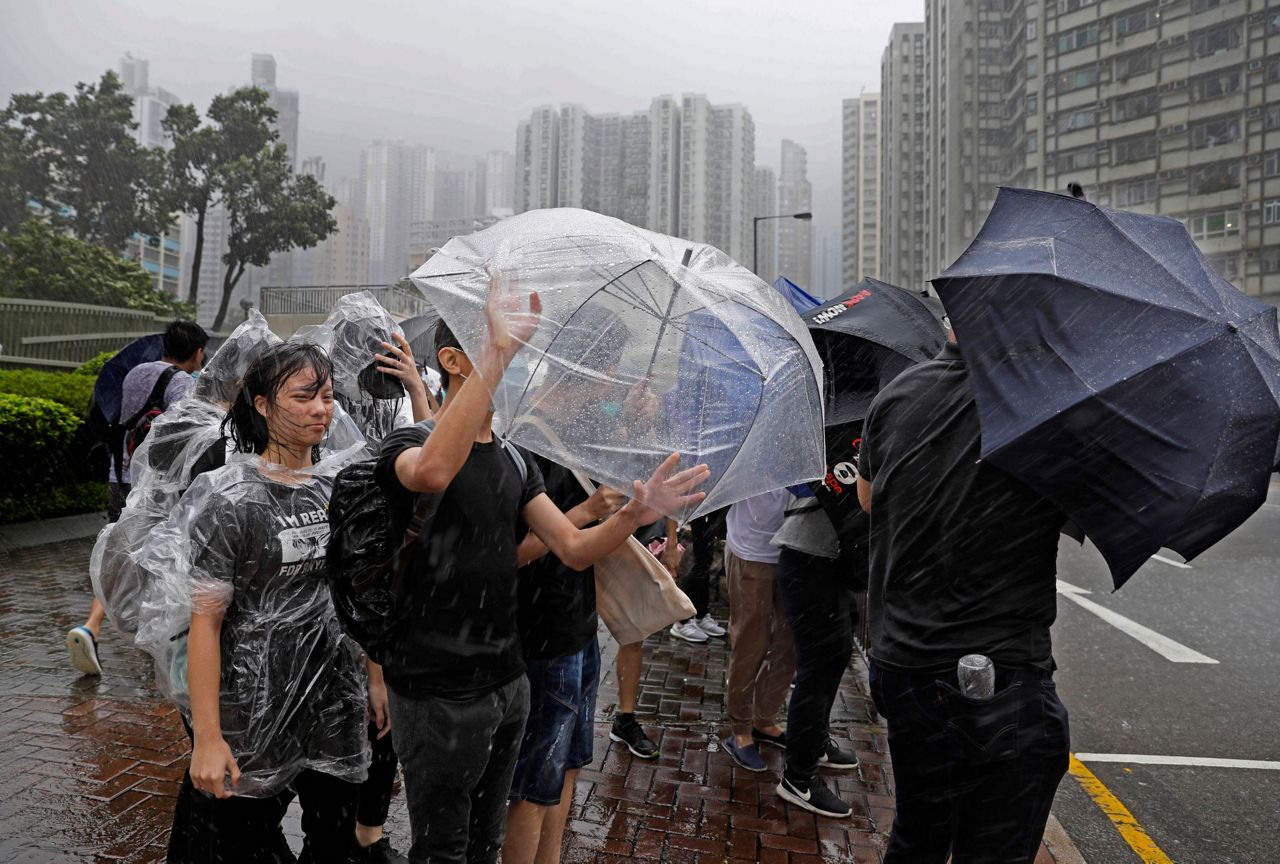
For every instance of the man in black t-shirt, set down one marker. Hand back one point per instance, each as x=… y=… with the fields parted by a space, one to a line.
x=459 y=697
x=963 y=561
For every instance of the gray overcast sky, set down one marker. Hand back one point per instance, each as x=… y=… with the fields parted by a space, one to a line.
x=459 y=75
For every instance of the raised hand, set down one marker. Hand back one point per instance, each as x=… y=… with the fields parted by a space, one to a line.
x=398 y=363
x=668 y=491
x=510 y=325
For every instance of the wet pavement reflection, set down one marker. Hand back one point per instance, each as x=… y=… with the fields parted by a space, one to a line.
x=89 y=767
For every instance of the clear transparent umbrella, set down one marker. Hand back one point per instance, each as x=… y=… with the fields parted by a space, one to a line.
x=648 y=345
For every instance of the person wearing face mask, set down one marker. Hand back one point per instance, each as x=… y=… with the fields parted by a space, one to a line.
x=277 y=699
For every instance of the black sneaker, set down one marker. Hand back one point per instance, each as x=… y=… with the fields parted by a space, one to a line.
x=836 y=759
x=626 y=730
x=779 y=740
x=379 y=852
x=814 y=797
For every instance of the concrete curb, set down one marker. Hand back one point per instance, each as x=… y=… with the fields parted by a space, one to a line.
x=23 y=535
x=1059 y=844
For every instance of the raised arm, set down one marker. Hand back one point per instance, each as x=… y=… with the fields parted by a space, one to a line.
x=603 y=502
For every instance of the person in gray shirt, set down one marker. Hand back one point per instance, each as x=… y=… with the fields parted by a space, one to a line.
x=184 y=344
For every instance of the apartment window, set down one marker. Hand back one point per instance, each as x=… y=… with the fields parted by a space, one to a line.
x=1135 y=149
x=1271 y=164
x=1136 y=22
x=1069 y=121
x=1215 y=223
x=1137 y=105
x=1273 y=71
x=1073 y=160
x=1214 y=40
x=1031 y=142
x=1212 y=133
x=1031 y=31
x=1271 y=259
x=1134 y=63
x=1075 y=79
x=1204 y=5
x=1137 y=192
x=1033 y=67
x=1271 y=212
x=1215 y=85
x=1079 y=38
x=1227 y=265
x=1033 y=103
x=1273 y=117
x=1217 y=177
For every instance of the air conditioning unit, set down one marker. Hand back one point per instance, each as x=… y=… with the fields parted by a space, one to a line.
x=1177 y=40
x=1251 y=205
x=1102 y=103
x=1253 y=113
x=1177 y=128
x=1255 y=65
x=1103 y=145
x=1253 y=159
x=1168 y=175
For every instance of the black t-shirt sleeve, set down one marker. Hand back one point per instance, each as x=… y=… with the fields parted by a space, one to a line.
x=870 y=433
x=534 y=485
x=393 y=445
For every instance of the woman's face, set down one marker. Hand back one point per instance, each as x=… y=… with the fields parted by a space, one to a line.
x=301 y=413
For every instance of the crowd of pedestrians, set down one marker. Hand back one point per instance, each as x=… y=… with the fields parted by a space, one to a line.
x=486 y=695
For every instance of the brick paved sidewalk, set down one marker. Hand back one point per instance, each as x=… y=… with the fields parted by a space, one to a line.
x=89 y=767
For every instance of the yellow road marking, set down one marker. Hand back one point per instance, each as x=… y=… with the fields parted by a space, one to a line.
x=1138 y=839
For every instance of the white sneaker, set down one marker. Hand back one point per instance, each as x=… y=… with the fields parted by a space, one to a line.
x=689 y=631
x=708 y=625
x=82 y=648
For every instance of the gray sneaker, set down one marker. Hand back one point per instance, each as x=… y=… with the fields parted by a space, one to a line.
x=82 y=648
x=814 y=797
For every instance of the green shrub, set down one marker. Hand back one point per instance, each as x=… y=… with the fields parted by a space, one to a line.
x=94 y=366
x=71 y=390
x=36 y=438
x=56 y=501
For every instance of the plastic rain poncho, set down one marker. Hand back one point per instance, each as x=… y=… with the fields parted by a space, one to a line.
x=249 y=540
x=184 y=441
x=352 y=335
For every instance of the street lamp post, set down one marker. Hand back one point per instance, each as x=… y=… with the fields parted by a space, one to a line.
x=755 y=234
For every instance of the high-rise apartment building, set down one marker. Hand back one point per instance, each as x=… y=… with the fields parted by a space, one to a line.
x=795 y=236
x=538 y=160
x=390 y=190
x=860 y=189
x=285 y=102
x=1160 y=107
x=664 y=165
x=902 y=157
x=766 y=231
x=717 y=174
x=499 y=183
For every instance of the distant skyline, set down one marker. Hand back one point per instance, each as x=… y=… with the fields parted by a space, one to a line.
x=459 y=77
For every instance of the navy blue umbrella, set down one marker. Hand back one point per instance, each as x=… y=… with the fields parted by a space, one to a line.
x=1116 y=373
x=107 y=389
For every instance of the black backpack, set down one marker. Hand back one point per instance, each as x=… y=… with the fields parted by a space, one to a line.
x=368 y=556
x=135 y=429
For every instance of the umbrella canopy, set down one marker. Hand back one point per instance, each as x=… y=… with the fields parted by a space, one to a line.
x=1117 y=373
x=801 y=300
x=107 y=388
x=419 y=332
x=865 y=339
x=648 y=345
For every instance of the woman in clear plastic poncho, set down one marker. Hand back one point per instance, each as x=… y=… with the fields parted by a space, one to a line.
x=277 y=693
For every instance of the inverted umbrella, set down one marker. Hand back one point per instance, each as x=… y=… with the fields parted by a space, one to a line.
x=647 y=345
x=865 y=339
x=801 y=300
x=1116 y=373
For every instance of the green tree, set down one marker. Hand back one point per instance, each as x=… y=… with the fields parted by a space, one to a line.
x=269 y=209
x=41 y=262
x=239 y=127
x=78 y=158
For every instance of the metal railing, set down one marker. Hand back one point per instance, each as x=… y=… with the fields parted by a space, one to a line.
x=53 y=333
x=319 y=299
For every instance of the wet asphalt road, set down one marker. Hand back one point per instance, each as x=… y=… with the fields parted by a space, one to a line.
x=1124 y=698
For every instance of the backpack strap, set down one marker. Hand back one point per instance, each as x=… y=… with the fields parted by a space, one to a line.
x=156 y=398
x=518 y=458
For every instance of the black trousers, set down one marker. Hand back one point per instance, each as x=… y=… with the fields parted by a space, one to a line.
x=375 y=791
x=974 y=778
x=696 y=582
x=209 y=830
x=459 y=757
x=818 y=600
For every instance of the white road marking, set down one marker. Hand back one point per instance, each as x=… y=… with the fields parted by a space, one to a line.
x=1272 y=506
x=1188 y=761
x=1171 y=562
x=1162 y=645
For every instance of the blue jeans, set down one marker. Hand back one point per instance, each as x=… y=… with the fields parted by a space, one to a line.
x=974 y=779
x=558 y=734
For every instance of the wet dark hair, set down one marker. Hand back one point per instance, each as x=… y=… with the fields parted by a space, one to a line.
x=247 y=428
x=444 y=338
x=182 y=339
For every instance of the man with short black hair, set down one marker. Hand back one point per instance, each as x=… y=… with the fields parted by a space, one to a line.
x=963 y=561
x=148 y=386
